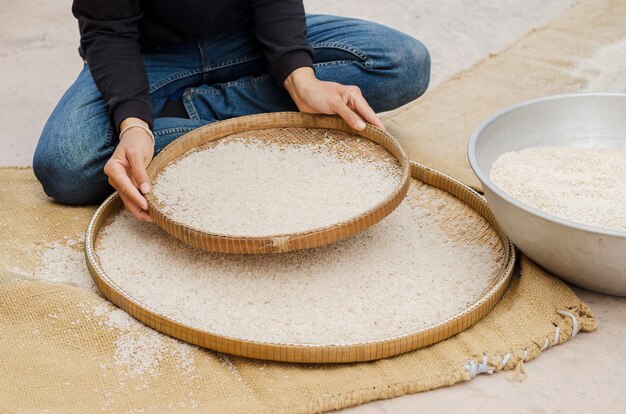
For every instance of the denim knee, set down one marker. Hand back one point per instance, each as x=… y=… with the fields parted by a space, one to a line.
x=69 y=177
x=75 y=143
x=412 y=62
x=421 y=60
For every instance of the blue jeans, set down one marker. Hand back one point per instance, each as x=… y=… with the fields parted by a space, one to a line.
x=224 y=77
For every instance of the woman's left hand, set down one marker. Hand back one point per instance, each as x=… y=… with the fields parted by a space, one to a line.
x=320 y=97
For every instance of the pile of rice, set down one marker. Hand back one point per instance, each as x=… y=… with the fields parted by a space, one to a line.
x=424 y=263
x=244 y=186
x=583 y=185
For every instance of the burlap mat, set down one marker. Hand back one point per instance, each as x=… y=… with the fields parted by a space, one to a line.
x=435 y=130
x=57 y=353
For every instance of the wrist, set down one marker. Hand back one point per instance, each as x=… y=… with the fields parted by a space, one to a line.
x=298 y=81
x=132 y=126
x=131 y=120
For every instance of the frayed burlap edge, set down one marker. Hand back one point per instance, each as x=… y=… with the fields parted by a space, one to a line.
x=442 y=120
x=41 y=353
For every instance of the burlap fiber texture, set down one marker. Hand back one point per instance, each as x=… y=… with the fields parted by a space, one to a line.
x=55 y=356
x=435 y=131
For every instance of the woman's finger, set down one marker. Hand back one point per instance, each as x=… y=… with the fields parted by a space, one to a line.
x=360 y=105
x=348 y=115
x=119 y=179
x=135 y=210
x=138 y=171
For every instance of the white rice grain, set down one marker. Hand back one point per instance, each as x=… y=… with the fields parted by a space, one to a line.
x=583 y=185
x=247 y=187
x=404 y=273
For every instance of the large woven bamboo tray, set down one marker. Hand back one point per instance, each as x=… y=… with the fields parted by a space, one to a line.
x=306 y=353
x=268 y=125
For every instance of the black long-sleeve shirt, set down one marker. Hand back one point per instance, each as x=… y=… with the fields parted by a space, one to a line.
x=114 y=32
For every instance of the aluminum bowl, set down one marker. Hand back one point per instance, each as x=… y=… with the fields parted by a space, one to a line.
x=587 y=256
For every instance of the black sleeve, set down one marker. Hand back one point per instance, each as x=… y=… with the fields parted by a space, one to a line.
x=109 y=42
x=280 y=27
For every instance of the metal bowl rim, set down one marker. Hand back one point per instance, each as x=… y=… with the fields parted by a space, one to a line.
x=484 y=179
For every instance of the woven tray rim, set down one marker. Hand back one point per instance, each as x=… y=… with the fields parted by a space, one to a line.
x=279 y=242
x=312 y=353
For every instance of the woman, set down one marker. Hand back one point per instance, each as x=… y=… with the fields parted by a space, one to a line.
x=157 y=69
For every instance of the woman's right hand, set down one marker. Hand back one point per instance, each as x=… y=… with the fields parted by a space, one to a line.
x=127 y=168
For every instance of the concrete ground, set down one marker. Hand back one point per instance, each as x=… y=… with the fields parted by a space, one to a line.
x=38 y=61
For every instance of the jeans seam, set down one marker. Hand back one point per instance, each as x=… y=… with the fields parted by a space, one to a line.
x=336 y=63
x=162 y=132
x=236 y=61
x=109 y=135
x=177 y=76
x=249 y=82
x=202 y=62
x=188 y=104
x=356 y=52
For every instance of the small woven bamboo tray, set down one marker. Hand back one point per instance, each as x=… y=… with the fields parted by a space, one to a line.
x=305 y=353
x=268 y=126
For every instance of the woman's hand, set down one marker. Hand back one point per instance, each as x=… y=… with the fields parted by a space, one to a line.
x=320 y=97
x=127 y=168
